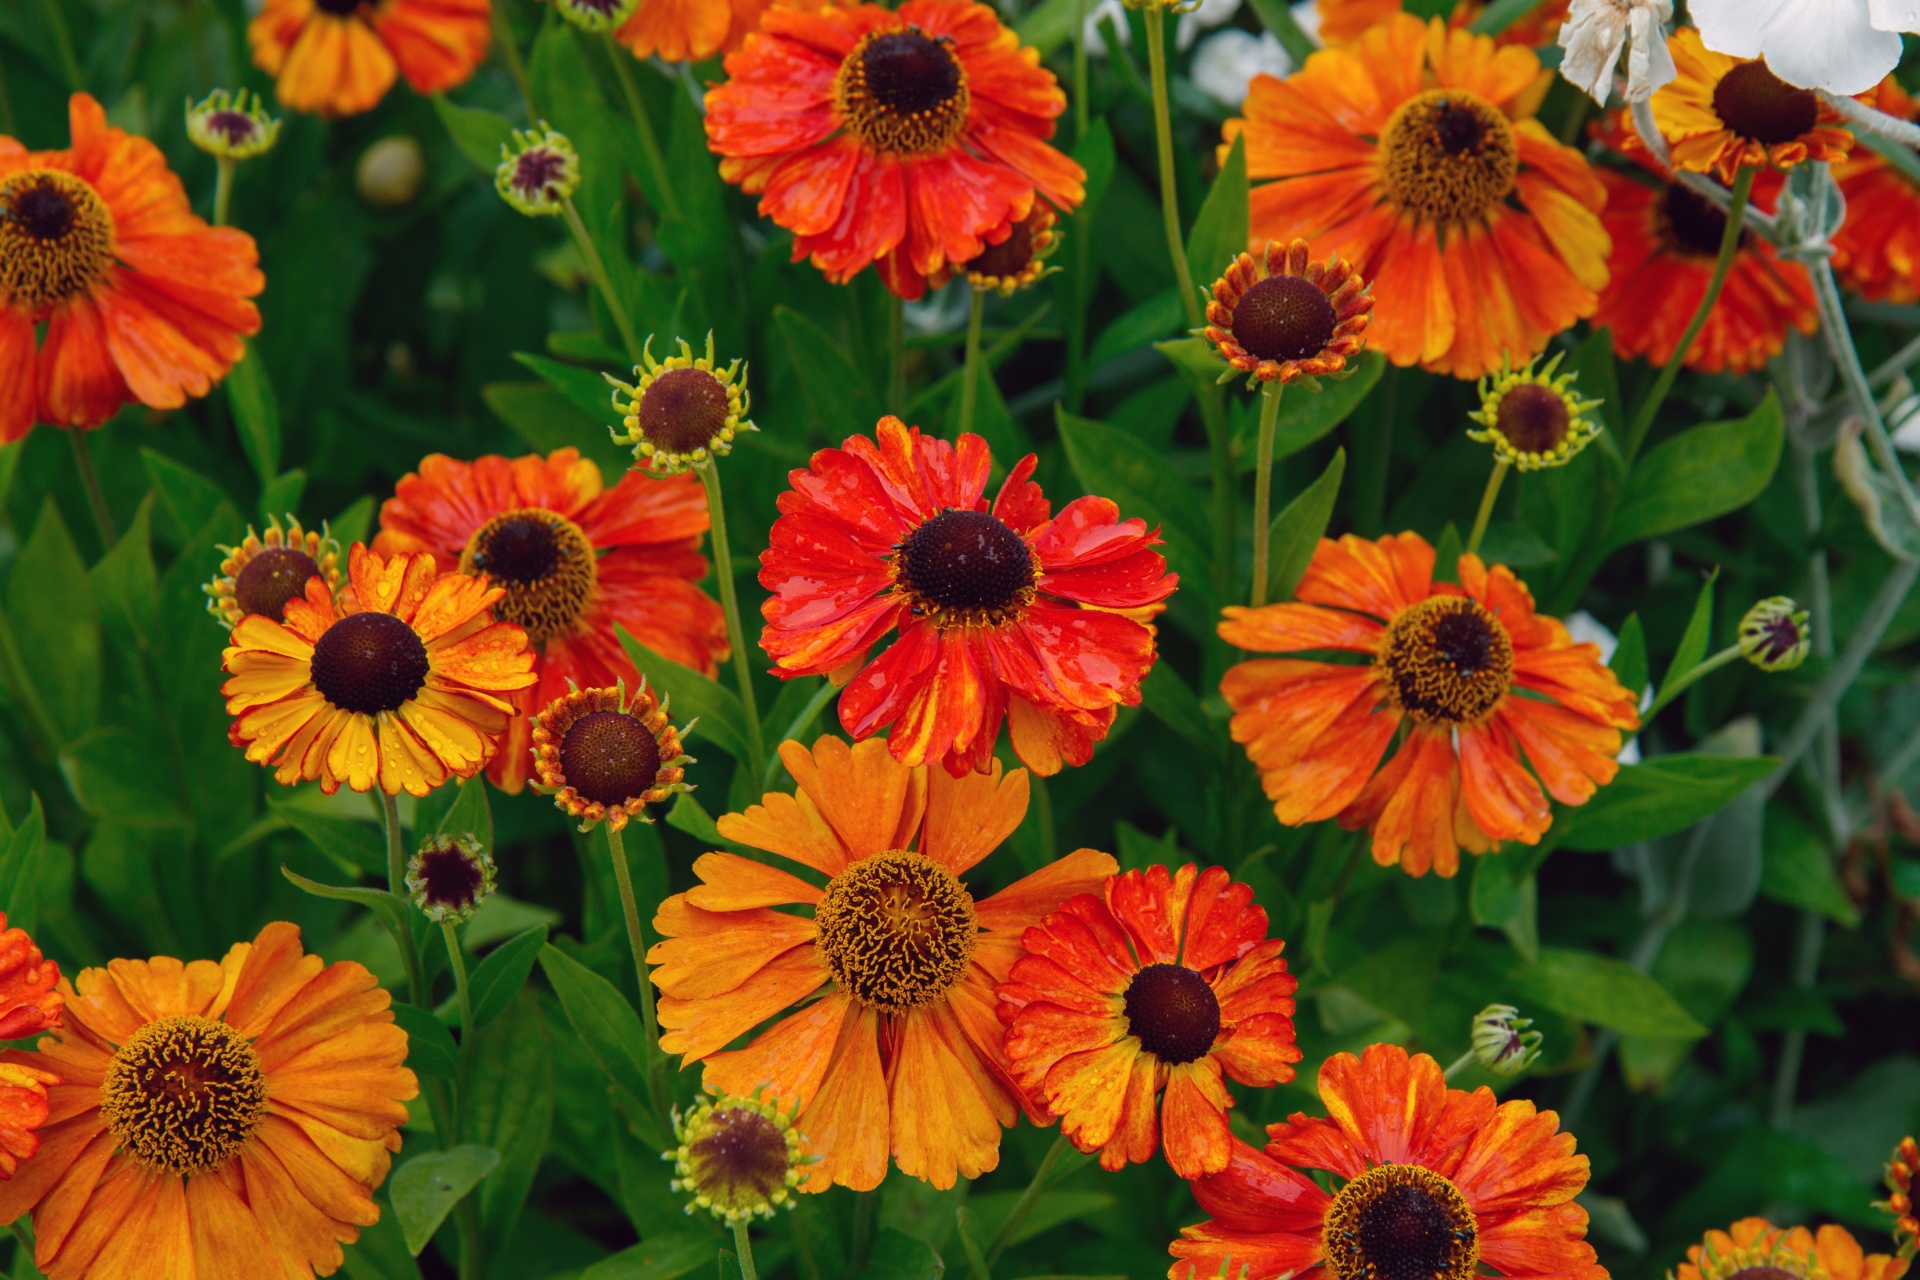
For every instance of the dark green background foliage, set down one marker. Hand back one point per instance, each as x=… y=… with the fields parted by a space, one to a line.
x=1663 y=937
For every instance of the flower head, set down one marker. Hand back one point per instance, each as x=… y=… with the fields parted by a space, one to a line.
x=539 y=172
x=232 y=126
x=1004 y=612
x=1532 y=418
x=266 y=1069
x=339 y=57
x=1876 y=251
x=692 y=30
x=1775 y=635
x=1474 y=675
x=596 y=15
x=112 y=291
x=902 y=957
x=682 y=412
x=1502 y=1042
x=1815 y=44
x=1598 y=31
x=1901 y=1167
x=907 y=139
x=1723 y=113
x=1284 y=318
x=1754 y=1244
x=31 y=1001
x=267 y=570
x=577 y=559
x=603 y=755
x=400 y=683
x=1159 y=980
x=1020 y=259
x=1428 y=1181
x=741 y=1158
x=450 y=877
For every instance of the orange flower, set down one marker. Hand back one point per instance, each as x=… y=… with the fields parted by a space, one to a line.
x=1791 y=1254
x=1721 y=113
x=910 y=138
x=1666 y=239
x=339 y=57
x=901 y=1053
x=1443 y=1180
x=141 y=300
x=29 y=1004
x=1876 y=251
x=1471 y=671
x=1412 y=153
x=399 y=683
x=218 y=1119
x=690 y=30
x=1345 y=19
x=895 y=533
x=576 y=559
x=1157 y=982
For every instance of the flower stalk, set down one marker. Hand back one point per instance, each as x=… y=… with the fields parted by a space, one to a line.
x=743 y=1250
x=970 y=374
x=1263 y=491
x=1156 y=19
x=730 y=605
x=643 y=126
x=1500 y=468
x=597 y=268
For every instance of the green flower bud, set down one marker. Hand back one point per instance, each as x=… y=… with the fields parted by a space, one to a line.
x=1775 y=635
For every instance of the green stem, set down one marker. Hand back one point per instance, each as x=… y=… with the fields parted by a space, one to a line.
x=1226 y=485
x=1028 y=1198
x=1729 y=243
x=597 y=268
x=743 y=1250
x=1807 y=946
x=1082 y=110
x=396 y=857
x=730 y=605
x=970 y=375
x=63 y=43
x=1494 y=481
x=1263 y=490
x=1163 y=142
x=1833 y=321
x=222 y=189
x=636 y=938
x=90 y=481
x=649 y=141
x=896 y=356
x=516 y=67
x=1687 y=679
x=457 y=961
x=862 y=1237
x=1460 y=1064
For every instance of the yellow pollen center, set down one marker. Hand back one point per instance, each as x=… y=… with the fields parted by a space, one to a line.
x=545 y=563
x=1400 y=1222
x=903 y=91
x=183 y=1094
x=897 y=930
x=1447 y=660
x=1448 y=156
x=56 y=237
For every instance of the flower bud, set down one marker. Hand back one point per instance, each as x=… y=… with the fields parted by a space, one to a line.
x=1899 y=1202
x=390 y=172
x=682 y=412
x=539 y=173
x=739 y=1157
x=596 y=15
x=232 y=126
x=1502 y=1042
x=1533 y=418
x=450 y=877
x=1775 y=636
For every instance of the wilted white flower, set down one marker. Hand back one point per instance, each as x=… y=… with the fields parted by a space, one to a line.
x=1227 y=61
x=1843 y=46
x=1595 y=33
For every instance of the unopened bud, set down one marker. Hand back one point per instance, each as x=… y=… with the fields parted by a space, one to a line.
x=1502 y=1042
x=539 y=172
x=232 y=126
x=739 y=1157
x=450 y=877
x=1775 y=635
x=391 y=172
x=596 y=15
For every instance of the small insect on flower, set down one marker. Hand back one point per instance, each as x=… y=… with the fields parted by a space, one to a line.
x=741 y=1158
x=1283 y=318
x=1502 y=1042
x=683 y=411
x=1775 y=635
x=268 y=569
x=450 y=877
x=539 y=172
x=1532 y=418
x=232 y=125
x=603 y=755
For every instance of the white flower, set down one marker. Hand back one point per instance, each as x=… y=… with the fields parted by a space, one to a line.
x=1843 y=46
x=1205 y=17
x=1596 y=31
x=1227 y=61
x=1096 y=38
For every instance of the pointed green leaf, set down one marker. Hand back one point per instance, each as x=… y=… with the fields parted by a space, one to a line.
x=425 y=1188
x=839 y=393
x=499 y=977
x=478 y=133
x=1605 y=992
x=723 y=721
x=1658 y=797
x=1220 y=231
x=1296 y=532
x=56 y=628
x=1702 y=473
x=430 y=1049
x=256 y=414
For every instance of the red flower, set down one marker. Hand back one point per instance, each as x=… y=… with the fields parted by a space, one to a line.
x=912 y=139
x=1003 y=611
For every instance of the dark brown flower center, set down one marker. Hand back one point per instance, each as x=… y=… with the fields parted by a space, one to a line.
x=338 y=8
x=1533 y=418
x=903 y=91
x=740 y=1159
x=683 y=410
x=1764 y=1273
x=273 y=577
x=369 y=662
x=1448 y=156
x=1173 y=1011
x=1284 y=318
x=536 y=170
x=1447 y=660
x=183 y=1094
x=897 y=930
x=56 y=237
x=965 y=566
x=1757 y=104
x=451 y=876
x=1400 y=1222
x=609 y=757
x=1008 y=258
x=544 y=561
x=235 y=126
x=1692 y=223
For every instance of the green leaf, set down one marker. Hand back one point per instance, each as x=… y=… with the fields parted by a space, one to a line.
x=1693 y=648
x=690 y=816
x=509 y=1105
x=256 y=414
x=548 y=420
x=125 y=583
x=499 y=977
x=585 y=389
x=1698 y=475
x=1630 y=655
x=1515 y=545
x=1296 y=532
x=1605 y=992
x=111 y=772
x=1799 y=869
x=351 y=525
x=1506 y=899
x=666 y=1257
x=393 y=911
x=20 y=858
x=56 y=629
x=1047 y=25
x=1305 y=415
x=1115 y=465
x=601 y=1017
x=187 y=498
x=1658 y=797
x=839 y=394
x=430 y=1049
x=722 y=719
x=469 y=814
x=1220 y=232
x=899 y=1256
x=1137 y=326
x=425 y=1188
x=1502 y=14
x=353 y=846
x=1166 y=695
x=478 y=133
